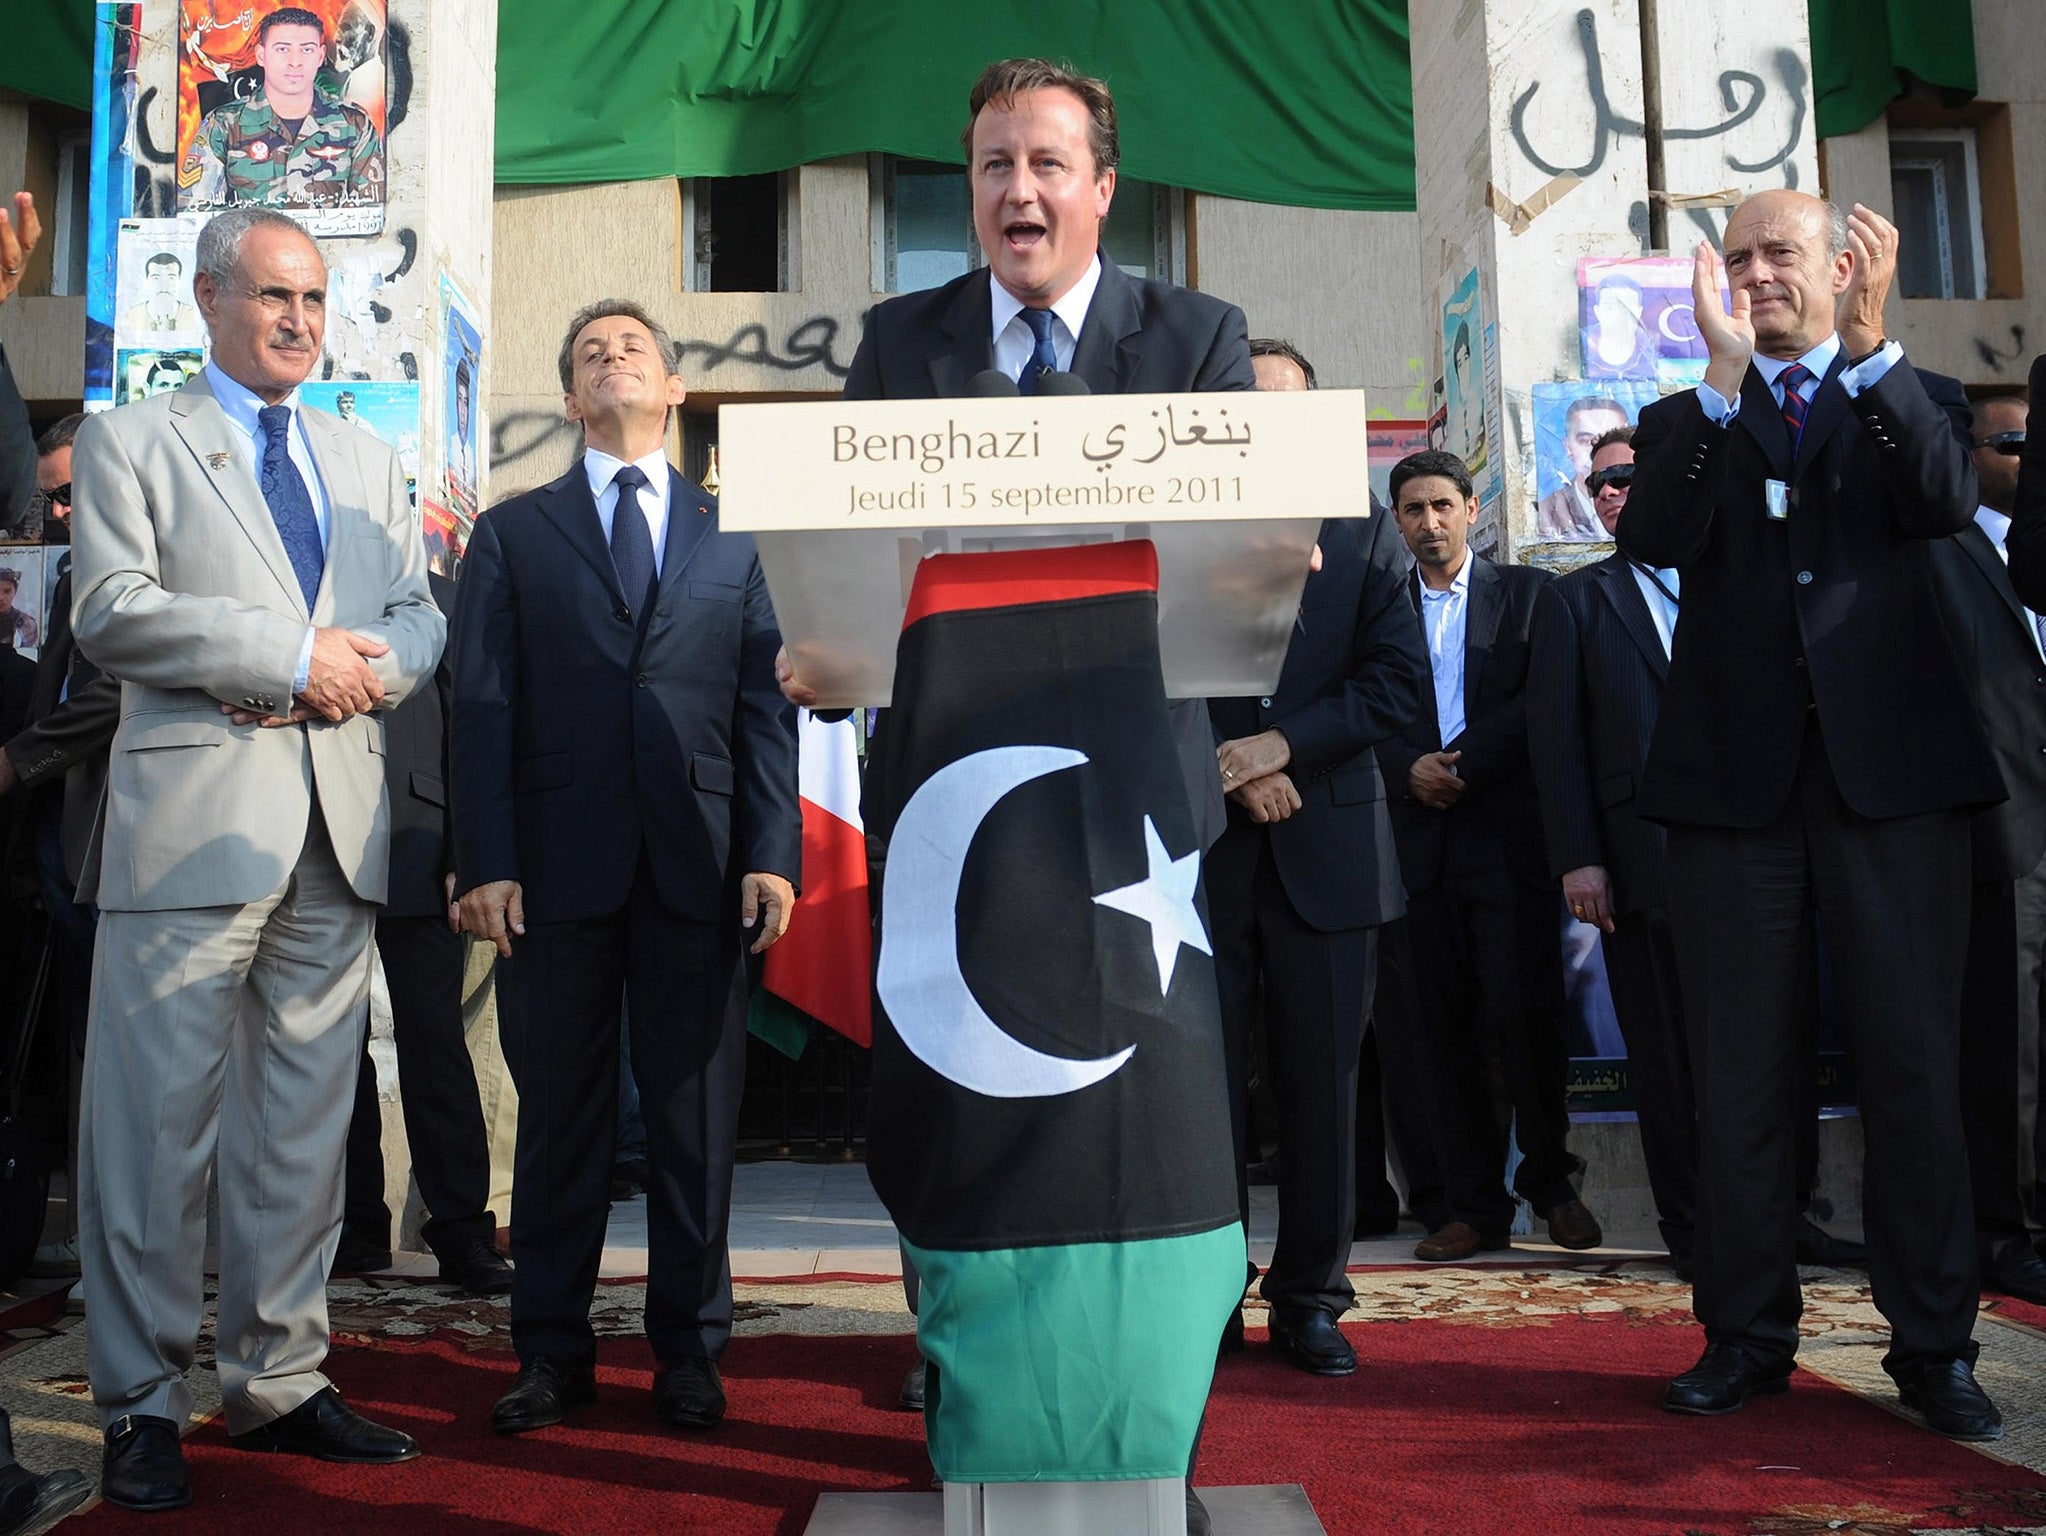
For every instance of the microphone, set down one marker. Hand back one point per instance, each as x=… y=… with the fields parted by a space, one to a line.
x=991 y=384
x=1053 y=383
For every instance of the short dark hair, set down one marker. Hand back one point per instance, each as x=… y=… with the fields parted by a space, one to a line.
x=1006 y=79
x=1584 y=403
x=62 y=435
x=289 y=16
x=163 y=258
x=1614 y=437
x=462 y=376
x=1434 y=462
x=604 y=309
x=1272 y=346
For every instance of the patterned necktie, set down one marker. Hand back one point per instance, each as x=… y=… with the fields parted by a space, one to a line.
x=1044 y=357
x=632 y=542
x=1793 y=379
x=291 y=504
x=2039 y=628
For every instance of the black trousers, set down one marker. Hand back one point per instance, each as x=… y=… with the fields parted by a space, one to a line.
x=1641 y=972
x=1316 y=988
x=558 y=997
x=1487 y=958
x=1991 y=1073
x=1378 y=1203
x=1893 y=896
x=1412 y=1071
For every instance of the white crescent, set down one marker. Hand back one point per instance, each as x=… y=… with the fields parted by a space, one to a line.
x=928 y=1001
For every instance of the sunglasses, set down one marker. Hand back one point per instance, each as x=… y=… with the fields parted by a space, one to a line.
x=2010 y=444
x=1618 y=476
x=61 y=494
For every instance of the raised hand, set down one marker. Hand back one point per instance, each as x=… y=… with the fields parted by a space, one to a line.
x=18 y=237
x=1729 y=336
x=1873 y=241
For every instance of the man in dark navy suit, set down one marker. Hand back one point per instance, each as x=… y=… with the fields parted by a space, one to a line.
x=1298 y=886
x=624 y=781
x=1482 y=950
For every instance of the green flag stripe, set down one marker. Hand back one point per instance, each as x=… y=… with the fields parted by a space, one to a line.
x=1083 y=1362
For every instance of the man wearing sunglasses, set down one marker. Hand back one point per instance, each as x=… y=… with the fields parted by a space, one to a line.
x=2002 y=647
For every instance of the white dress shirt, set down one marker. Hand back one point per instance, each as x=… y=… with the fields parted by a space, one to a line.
x=602 y=470
x=240 y=404
x=1863 y=376
x=1997 y=525
x=1012 y=338
x=1442 y=616
x=1661 y=600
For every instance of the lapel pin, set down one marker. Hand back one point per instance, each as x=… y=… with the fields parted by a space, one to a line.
x=217 y=460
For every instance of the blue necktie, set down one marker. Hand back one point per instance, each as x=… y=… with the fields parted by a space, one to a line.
x=291 y=504
x=1044 y=357
x=632 y=542
x=1793 y=379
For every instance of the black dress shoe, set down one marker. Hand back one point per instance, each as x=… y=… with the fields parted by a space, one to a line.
x=1232 y=1333
x=911 y=1397
x=1815 y=1245
x=689 y=1394
x=1571 y=1225
x=26 y=1499
x=144 y=1466
x=1198 y=1521
x=1945 y=1395
x=1724 y=1378
x=2016 y=1271
x=478 y=1269
x=328 y=1429
x=545 y=1390
x=628 y=1178
x=1309 y=1337
x=358 y=1255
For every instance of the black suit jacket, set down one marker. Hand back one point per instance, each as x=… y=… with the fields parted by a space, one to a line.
x=2027 y=538
x=17 y=452
x=68 y=736
x=415 y=775
x=1832 y=607
x=2000 y=654
x=1594 y=688
x=1141 y=336
x=1354 y=674
x=1498 y=621
x=585 y=734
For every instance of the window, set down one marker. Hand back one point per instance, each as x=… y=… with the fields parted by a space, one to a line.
x=923 y=226
x=1936 y=188
x=69 y=240
x=739 y=234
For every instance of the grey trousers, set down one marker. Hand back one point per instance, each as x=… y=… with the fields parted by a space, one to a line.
x=236 y=1030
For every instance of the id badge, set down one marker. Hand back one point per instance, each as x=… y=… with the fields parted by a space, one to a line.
x=1776 y=495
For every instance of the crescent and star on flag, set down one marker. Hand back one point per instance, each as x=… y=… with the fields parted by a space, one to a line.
x=933 y=1010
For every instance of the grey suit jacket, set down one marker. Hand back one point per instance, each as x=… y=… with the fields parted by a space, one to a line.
x=182 y=589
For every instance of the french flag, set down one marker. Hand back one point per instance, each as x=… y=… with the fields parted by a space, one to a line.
x=824 y=963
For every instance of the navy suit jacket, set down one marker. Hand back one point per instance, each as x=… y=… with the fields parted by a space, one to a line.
x=1593 y=690
x=1498 y=619
x=1354 y=674
x=415 y=778
x=587 y=735
x=1830 y=609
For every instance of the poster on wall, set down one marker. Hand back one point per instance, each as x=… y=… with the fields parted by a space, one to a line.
x=153 y=293
x=446 y=536
x=23 y=597
x=462 y=375
x=1568 y=418
x=283 y=105
x=116 y=55
x=1636 y=319
x=388 y=412
x=140 y=372
x=1386 y=443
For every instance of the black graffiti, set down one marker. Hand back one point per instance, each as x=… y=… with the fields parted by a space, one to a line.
x=522 y=432
x=813 y=344
x=408 y=242
x=154 y=196
x=1742 y=94
x=1995 y=357
x=398 y=77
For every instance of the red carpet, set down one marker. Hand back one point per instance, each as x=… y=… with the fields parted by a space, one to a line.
x=1536 y=1430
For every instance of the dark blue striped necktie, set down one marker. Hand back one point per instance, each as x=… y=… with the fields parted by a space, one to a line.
x=1793 y=379
x=291 y=504
x=632 y=542
x=1044 y=357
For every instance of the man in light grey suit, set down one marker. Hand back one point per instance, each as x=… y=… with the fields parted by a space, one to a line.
x=251 y=571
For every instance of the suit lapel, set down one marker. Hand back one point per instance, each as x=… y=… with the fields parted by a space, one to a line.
x=688 y=521
x=1762 y=417
x=1427 y=727
x=568 y=505
x=1101 y=352
x=1616 y=581
x=205 y=430
x=1829 y=405
x=969 y=345
x=1976 y=543
x=1480 y=627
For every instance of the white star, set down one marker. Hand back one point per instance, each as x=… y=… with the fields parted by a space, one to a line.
x=1164 y=898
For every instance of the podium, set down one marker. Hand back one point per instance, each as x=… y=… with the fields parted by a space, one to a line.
x=846 y=499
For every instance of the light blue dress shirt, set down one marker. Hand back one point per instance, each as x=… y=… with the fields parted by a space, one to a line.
x=1012 y=338
x=1442 y=617
x=1865 y=375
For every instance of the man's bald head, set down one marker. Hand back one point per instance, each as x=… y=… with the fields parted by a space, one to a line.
x=1788 y=251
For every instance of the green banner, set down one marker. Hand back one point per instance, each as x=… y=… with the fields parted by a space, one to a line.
x=1287 y=101
x=1862 y=50
x=46 y=51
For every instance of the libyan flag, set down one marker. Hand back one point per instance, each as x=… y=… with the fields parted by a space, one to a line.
x=1049 y=1121
x=823 y=966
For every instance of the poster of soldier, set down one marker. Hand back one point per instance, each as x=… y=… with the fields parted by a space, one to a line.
x=284 y=105
x=140 y=372
x=153 y=299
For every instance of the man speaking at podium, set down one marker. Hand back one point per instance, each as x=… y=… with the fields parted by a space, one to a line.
x=1041 y=155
